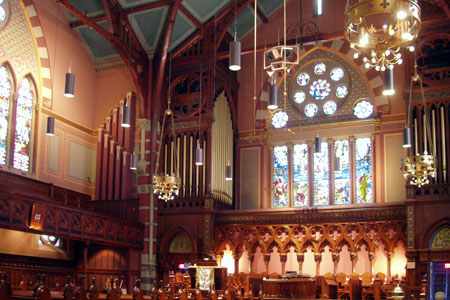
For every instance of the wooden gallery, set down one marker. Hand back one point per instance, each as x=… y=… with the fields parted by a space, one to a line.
x=224 y=149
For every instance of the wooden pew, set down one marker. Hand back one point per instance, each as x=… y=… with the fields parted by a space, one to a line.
x=80 y=292
x=137 y=293
x=93 y=291
x=328 y=287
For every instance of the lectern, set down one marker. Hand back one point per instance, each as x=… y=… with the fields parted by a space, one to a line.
x=206 y=275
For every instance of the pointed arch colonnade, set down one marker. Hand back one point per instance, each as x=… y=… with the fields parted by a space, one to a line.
x=314 y=249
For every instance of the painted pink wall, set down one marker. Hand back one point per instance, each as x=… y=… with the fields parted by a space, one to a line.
x=291 y=262
x=380 y=260
x=112 y=86
x=309 y=265
x=258 y=262
x=274 y=263
x=363 y=262
x=67 y=45
x=345 y=263
x=326 y=264
x=244 y=263
x=398 y=260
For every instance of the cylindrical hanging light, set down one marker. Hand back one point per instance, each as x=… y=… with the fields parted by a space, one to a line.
x=133 y=161
x=228 y=173
x=388 y=82
x=126 y=116
x=199 y=156
x=235 y=55
x=69 y=86
x=50 y=126
x=337 y=164
x=406 y=137
x=273 y=96
x=317 y=144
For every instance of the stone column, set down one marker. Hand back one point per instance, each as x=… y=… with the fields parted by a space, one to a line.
x=252 y=258
x=371 y=257
x=266 y=262
x=283 y=259
x=300 y=260
x=335 y=257
x=317 y=259
x=354 y=258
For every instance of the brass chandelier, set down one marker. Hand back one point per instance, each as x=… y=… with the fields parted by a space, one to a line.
x=419 y=167
x=382 y=27
x=166 y=186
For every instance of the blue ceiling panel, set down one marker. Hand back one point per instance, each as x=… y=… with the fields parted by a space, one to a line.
x=133 y=3
x=268 y=7
x=148 y=26
x=98 y=46
x=245 y=23
x=182 y=28
x=90 y=7
x=204 y=10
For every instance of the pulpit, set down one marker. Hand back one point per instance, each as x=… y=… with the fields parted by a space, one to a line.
x=206 y=275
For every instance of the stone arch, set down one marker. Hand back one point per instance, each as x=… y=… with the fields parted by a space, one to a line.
x=171 y=234
x=440 y=239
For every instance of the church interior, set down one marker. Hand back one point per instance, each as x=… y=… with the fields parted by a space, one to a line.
x=224 y=149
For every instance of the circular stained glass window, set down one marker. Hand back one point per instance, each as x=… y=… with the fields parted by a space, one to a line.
x=320 y=89
x=279 y=119
x=303 y=79
x=299 y=97
x=341 y=91
x=329 y=107
x=311 y=110
x=363 y=109
x=320 y=68
x=337 y=74
x=2 y=14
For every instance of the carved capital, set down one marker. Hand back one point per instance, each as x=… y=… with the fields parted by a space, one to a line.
x=266 y=258
x=300 y=258
x=335 y=257
x=283 y=258
x=144 y=124
x=317 y=257
x=371 y=256
x=353 y=256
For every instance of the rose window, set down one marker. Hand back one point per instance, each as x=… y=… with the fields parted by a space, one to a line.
x=363 y=109
x=319 y=88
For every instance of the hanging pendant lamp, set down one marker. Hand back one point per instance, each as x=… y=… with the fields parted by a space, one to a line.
x=69 y=86
x=50 y=126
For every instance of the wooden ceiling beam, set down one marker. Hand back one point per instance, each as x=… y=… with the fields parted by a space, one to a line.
x=190 y=16
x=108 y=16
x=260 y=14
x=445 y=7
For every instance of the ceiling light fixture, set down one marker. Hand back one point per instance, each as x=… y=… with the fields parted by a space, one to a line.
x=383 y=28
x=235 y=47
x=50 y=126
x=388 y=82
x=273 y=94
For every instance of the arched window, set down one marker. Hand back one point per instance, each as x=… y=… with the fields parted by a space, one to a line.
x=16 y=121
x=6 y=89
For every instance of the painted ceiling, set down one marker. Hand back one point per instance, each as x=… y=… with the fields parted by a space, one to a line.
x=147 y=18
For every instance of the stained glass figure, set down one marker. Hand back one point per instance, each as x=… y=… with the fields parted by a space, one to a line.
x=280 y=176
x=363 y=109
x=342 y=178
x=321 y=177
x=363 y=170
x=320 y=89
x=24 y=120
x=279 y=119
x=341 y=91
x=320 y=68
x=329 y=107
x=303 y=79
x=299 y=97
x=337 y=74
x=301 y=175
x=311 y=110
x=5 y=95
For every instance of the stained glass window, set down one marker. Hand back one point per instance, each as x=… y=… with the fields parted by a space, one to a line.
x=341 y=91
x=279 y=119
x=321 y=176
x=342 y=185
x=301 y=175
x=337 y=74
x=363 y=170
x=303 y=79
x=299 y=97
x=311 y=110
x=280 y=176
x=5 y=96
x=320 y=89
x=24 y=120
x=329 y=107
x=363 y=109
x=320 y=68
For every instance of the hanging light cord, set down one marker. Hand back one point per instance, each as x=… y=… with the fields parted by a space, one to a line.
x=56 y=41
x=254 y=68
x=200 y=98
x=235 y=21
x=284 y=59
